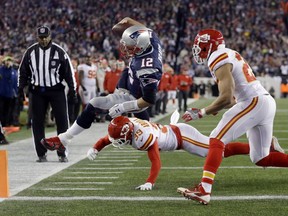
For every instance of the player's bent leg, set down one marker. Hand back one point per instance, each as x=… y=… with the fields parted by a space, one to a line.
x=274 y=159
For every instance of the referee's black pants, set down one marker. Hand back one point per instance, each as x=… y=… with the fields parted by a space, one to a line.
x=40 y=100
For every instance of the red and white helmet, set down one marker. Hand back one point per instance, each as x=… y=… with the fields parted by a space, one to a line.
x=205 y=43
x=135 y=40
x=120 y=131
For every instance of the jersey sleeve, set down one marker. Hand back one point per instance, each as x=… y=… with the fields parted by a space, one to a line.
x=154 y=157
x=217 y=59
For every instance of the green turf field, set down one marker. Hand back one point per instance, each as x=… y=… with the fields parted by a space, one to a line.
x=106 y=186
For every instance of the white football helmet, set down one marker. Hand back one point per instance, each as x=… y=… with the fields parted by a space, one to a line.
x=135 y=40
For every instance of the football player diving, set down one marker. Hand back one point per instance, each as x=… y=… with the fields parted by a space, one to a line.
x=137 y=86
x=153 y=138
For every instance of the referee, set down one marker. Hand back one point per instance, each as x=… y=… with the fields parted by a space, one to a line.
x=44 y=67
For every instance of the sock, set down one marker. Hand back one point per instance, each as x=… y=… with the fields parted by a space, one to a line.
x=74 y=130
x=213 y=161
x=236 y=148
x=275 y=159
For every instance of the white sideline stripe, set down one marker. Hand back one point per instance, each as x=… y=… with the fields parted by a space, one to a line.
x=83 y=183
x=110 y=164
x=119 y=151
x=120 y=156
x=173 y=168
x=76 y=172
x=112 y=160
x=219 y=198
x=92 y=177
x=70 y=189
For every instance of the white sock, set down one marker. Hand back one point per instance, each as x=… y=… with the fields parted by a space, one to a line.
x=207 y=187
x=74 y=130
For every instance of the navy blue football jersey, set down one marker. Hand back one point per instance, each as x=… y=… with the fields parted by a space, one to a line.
x=145 y=70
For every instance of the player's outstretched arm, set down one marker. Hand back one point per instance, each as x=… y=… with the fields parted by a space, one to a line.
x=98 y=146
x=154 y=156
x=125 y=23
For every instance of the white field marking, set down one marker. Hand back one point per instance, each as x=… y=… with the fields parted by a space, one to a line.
x=117 y=157
x=70 y=189
x=83 y=183
x=215 y=198
x=119 y=151
x=175 y=168
x=77 y=172
x=90 y=177
x=100 y=160
x=110 y=164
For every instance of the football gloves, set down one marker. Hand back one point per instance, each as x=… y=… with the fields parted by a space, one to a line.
x=92 y=154
x=193 y=114
x=116 y=110
x=146 y=186
x=128 y=106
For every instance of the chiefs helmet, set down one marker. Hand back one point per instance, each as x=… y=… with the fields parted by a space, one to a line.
x=120 y=131
x=206 y=42
x=135 y=40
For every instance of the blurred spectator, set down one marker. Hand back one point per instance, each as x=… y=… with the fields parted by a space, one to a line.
x=3 y=139
x=87 y=81
x=184 y=82
x=262 y=30
x=284 y=88
x=202 y=89
x=111 y=78
x=172 y=92
x=164 y=85
x=103 y=67
x=8 y=93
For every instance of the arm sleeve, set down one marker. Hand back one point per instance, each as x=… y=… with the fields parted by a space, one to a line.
x=69 y=73
x=154 y=156
x=101 y=143
x=24 y=72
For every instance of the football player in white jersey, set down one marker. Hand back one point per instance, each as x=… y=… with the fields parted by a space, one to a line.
x=151 y=137
x=87 y=80
x=251 y=110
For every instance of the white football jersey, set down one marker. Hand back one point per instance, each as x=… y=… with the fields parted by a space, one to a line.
x=145 y=134
x=246 y=84
x=89 y=72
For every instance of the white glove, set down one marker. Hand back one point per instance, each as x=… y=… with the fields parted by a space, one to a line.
x=193 y=114
x=146 y=186
x=116 y=110
x=92 y=154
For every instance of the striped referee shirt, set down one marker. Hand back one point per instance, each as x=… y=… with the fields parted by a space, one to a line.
x=46 y=67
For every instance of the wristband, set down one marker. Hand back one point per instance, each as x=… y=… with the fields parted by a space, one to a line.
x=203 y=112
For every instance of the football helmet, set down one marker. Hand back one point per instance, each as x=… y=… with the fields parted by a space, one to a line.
x=134 y=41
x=205 y=43
x=120 y=131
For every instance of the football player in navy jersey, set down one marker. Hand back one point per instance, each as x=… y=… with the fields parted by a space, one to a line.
x=137 y=86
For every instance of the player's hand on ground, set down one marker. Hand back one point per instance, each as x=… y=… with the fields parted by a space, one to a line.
x=116 y=110
x=146 y=186
x=193 y=114
x=92 y=154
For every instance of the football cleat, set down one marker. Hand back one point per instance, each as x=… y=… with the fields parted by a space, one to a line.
x=196 y=193
x=53 y=143
x=275 y=146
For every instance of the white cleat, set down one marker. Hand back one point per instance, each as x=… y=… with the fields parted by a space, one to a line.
x=197 y=194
